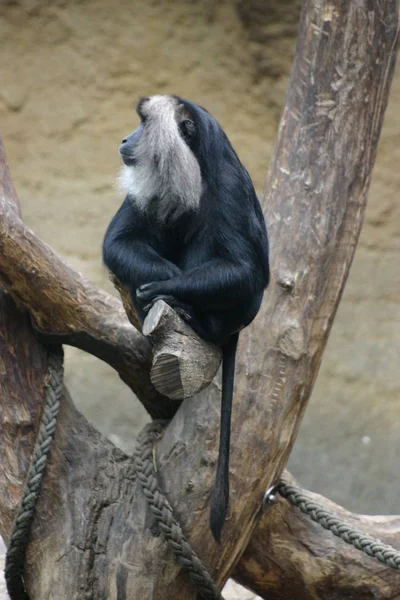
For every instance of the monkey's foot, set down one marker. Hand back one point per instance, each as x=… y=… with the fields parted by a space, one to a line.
x=182 y=313
x=149 y=291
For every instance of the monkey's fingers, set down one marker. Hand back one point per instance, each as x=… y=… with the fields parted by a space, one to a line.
x=148 y=291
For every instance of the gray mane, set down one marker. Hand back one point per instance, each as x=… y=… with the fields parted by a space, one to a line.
x=165 y=166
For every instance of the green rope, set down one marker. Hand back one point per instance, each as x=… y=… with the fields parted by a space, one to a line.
x=170 y=528
x=159 y=505
x=332 y=522
x=14 y=569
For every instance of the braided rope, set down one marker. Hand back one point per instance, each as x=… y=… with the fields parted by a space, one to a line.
x=17 y=546
x=159 y=505
x=162 y=512
x=329 y=520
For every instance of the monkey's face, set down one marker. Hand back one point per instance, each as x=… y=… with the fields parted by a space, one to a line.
x=163 y=118
x=158 y=156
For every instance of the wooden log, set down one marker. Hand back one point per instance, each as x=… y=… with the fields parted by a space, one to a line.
x=290 y=556
x=183 y=363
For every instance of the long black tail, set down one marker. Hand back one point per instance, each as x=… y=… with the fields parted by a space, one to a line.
x=220 y=491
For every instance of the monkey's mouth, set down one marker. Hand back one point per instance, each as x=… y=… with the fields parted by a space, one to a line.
x=125 y=153
x=128 y=160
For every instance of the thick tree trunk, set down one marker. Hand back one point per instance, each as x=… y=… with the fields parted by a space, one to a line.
x=93 y=534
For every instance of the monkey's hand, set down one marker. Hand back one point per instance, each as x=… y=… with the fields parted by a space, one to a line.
x=148 y=292
x=183 y=309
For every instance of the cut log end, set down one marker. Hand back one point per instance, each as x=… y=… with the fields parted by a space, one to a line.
x=183 y=363
x=165 y=376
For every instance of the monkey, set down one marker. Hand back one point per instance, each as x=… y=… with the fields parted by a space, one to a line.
x=192 y=233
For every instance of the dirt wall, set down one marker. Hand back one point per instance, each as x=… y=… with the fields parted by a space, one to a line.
x=70 y=74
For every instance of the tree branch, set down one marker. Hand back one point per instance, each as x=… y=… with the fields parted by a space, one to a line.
x=290 y=556
x=66 y=307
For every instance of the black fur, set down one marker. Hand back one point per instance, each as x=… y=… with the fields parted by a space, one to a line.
x=211 y=264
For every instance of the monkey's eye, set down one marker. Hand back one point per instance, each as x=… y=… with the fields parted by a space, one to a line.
x=188 y=129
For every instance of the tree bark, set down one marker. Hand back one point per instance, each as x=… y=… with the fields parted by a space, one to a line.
x=92 y=537
x=290 y=556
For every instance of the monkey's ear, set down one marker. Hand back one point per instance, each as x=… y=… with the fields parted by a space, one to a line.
x=183 y=114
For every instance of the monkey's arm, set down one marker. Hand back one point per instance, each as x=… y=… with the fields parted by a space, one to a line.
x=129 y=256
x=218 y=284
x=135 y=263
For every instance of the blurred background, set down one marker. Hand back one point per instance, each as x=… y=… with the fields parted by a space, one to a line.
x=70 y=75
